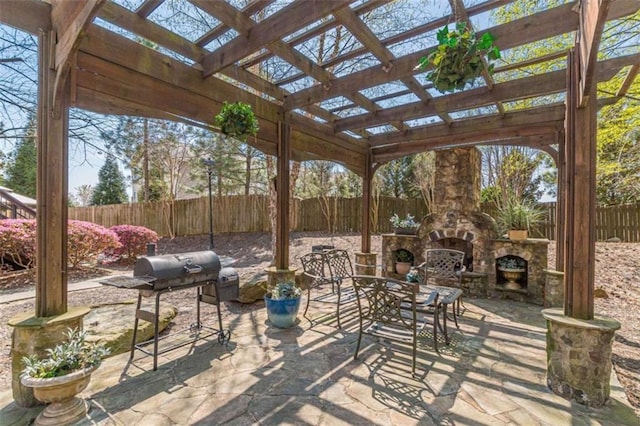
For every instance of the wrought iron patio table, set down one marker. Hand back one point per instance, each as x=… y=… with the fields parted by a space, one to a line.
x=446 y=296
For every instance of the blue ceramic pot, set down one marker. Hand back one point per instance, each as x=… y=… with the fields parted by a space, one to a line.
x=282 y=313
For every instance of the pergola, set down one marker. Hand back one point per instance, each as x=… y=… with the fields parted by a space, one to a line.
x=360 y=106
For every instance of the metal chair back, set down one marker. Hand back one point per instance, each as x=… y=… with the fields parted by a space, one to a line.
x=339 y=264
x=387 y=308
x=313 y=266
x=444 y=266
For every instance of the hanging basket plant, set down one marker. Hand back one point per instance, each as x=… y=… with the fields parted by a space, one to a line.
x=237 y=120
x=458 y=59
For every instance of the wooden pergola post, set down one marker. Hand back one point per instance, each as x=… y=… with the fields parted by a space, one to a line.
x=365 y=260
x=282 y=191
x=560 y=205
x=52 y=186
x=366 y=205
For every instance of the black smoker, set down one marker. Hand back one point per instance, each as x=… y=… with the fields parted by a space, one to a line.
x=156 y=275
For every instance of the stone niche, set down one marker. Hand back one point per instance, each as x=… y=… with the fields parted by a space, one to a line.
x=394 y=242
x=534 y=253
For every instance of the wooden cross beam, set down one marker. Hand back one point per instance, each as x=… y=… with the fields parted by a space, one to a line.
x=281 y=23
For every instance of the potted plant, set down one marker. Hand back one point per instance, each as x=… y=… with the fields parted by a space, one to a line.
x=283 y=303
x=406 y=226
x=512 y=268
x=517 y=217
x=404 y=261
x=459 y=58
x=61 y=375
x=237 y=120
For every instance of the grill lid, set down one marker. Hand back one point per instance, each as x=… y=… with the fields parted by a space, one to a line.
x=174 y=266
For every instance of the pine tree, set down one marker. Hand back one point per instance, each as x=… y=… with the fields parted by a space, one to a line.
x=111 y=187
x=22 y=163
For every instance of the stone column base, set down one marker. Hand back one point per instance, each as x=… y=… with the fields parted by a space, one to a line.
x=553 y=289
x=32 y=336
x=275 y=276
x=579 y=356
x=366 y=263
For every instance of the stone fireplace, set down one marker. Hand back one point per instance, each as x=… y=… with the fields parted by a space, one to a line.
x=457 y=223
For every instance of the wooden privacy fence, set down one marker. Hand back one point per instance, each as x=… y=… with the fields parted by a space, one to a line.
x=238 y=213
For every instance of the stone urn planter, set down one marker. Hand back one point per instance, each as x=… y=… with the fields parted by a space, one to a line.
x=512 y=276
x=64 y=408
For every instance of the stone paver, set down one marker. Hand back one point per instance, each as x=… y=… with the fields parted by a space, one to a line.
x=492 y=374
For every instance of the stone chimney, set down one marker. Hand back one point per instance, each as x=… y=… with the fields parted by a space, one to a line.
x=457 y=180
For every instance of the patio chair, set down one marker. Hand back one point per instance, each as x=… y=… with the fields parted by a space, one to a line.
x=443 y=267
x=340 y=270
x=313 y=265
x=387 y=309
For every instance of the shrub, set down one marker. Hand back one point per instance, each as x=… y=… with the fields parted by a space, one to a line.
x=133 y=240
x=72 y=355
x=88 y=240
x=18 y=242
x=85 y=242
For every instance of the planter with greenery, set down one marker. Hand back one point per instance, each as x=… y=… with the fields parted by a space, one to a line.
x=61 y=375
x=237 y=120
x=517 y=217
x=406 y=226
x=404 y=261
x=283 y=303
x=459 y=58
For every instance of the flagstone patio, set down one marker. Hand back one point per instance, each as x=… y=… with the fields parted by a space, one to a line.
x=493 y=373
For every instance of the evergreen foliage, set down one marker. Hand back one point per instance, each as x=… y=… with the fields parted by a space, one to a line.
x=111 y=187
x=22 y=163
x=397 y=178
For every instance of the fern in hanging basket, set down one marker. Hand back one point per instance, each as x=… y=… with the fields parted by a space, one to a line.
x=458 y=58
x=237 y=120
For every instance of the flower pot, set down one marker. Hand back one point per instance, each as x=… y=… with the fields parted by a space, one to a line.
x=403 y=268
x=60 y=393
x=405 y=231
x=282 y=313
x=517 y=234
x=512 y=276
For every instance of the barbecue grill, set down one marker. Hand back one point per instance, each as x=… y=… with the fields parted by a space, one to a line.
x=156 y=275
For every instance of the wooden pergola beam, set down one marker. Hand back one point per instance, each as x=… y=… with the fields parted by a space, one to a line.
x=548 y=23
x=394 y=39
x=26 y=15
x=558 y=20
x=147 y=8
x=535 y=136
x=370 y=41
x=537 y=85
x=326 y=25
x=69 y=20
x=628 y=80
x=593 y=14
x=276 y=26
x=526 y=117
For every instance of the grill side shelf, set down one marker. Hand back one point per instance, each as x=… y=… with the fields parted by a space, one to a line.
x=125 y=281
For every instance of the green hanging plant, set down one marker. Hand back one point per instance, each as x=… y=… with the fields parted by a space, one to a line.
x=458 y=57
x=237 y=120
